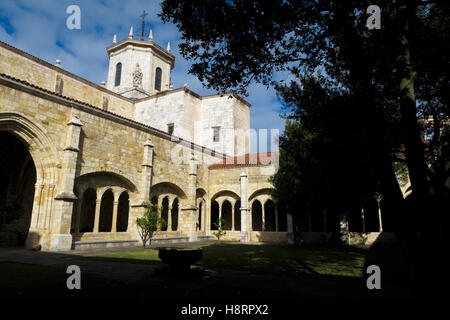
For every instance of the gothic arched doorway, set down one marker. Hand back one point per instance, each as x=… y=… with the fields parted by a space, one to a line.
x=17 y=188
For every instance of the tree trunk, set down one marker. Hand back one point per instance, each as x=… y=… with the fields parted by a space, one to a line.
x=414 y=145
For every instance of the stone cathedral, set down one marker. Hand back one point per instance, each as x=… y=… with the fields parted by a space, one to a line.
x=81 y=161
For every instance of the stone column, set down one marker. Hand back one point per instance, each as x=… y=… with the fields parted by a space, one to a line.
x=250 y=218
x=169 y=216
x=208 y=218
x=245 y=236
x=190 y=211
x=114 y=221
x=232 y=217
x=79 y=208
x=147 y=171
x=220 y=210
x=378 y=197
x=263 y=217
x=290 y=228
x=60 y=237
x=98 y=204
x=159 y=204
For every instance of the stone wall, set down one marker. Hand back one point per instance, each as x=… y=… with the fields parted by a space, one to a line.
x=23 y=66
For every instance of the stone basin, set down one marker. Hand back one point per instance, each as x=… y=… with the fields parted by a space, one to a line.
x=180 y=259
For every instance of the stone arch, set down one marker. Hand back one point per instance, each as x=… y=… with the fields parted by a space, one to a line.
x=17 y=190
x=162 y=188
x=104 y=179
x=261 y=192
x=200 y=192
x=45 y=158
x=225 y=194
x=41 y=148
x=123 y=211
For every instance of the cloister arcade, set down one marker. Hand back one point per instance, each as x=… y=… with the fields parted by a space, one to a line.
x=170 y=198
x=103 y=204
x=264 y=212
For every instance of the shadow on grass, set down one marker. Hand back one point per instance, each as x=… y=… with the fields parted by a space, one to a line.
x=324 y=261
x=392 y=260
x=35 y=282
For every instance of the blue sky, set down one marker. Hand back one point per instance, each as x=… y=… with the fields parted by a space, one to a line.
x=39 y=28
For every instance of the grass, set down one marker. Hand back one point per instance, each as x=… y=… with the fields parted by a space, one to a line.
x=278 y=260
x=303 y=261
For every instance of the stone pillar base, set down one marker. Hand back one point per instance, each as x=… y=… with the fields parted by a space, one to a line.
x=290 y=237
x=192 y=236
x=33 y=239
x=59 y=242
x=245 y=236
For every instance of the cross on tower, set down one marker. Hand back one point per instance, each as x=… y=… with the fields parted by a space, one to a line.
x=143 y=15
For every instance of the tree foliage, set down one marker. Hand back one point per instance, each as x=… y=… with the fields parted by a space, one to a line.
x=150 y=223
x=219 y=224
x=233 y=43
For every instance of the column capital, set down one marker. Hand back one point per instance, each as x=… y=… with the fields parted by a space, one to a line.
x=149 y=143
x=75 y=122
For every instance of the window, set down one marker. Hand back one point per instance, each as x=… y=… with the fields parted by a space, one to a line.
x=170 y=128
x=158 y=79
x=118 y=74
x=216 y=134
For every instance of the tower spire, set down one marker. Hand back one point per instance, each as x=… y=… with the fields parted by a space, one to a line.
x=150 y=35
x=130 y=36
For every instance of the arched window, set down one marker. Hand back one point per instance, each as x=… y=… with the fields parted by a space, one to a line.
x=158 y=79
x=87 y=214
x=174 y=213
x=122 y=212
x=106 y=211
x=165 y=212
x=256 y=216
x=227 y=215
x=118 y=74
x=214 y=214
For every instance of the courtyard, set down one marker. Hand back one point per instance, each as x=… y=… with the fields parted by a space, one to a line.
x=234 y=272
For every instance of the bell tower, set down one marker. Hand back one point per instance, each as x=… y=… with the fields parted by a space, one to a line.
x=139 y=68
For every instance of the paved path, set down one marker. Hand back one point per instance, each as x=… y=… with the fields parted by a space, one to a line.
x=129 y=272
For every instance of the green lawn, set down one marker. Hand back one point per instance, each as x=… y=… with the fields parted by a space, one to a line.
x=281 y=260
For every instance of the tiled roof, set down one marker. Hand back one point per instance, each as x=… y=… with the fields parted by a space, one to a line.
x=260 y=158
